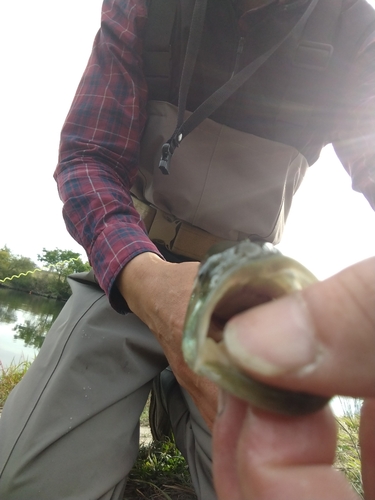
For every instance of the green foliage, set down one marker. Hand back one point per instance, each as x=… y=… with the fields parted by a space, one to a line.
x=9 y=378
x=52 y=283
x=11 y=264
x=5 y=262
x=63 y=262
x=160 y=472
x=144 y=420
x=348 y=455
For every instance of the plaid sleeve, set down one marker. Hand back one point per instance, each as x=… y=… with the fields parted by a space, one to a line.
x=99 y=147
x=355 y=145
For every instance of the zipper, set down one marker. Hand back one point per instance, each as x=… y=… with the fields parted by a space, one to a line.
x=240 y=47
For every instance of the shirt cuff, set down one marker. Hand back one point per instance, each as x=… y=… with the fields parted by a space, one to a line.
x=110 y=253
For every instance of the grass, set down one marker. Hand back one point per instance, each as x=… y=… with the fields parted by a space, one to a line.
x=348 y=454
x=161 y=472
x=10 y=376
x=144 y=416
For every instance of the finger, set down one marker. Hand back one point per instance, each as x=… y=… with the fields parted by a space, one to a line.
x=205 y=397
x=203 y=391
x=227 y=427
x=320 y=339
x=367 y=443
x=289 y=458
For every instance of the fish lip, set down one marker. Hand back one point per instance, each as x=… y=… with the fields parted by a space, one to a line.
x=234 y=257
x=210 y=287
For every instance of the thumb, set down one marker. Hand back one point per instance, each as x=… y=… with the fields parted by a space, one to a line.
x=319 y=340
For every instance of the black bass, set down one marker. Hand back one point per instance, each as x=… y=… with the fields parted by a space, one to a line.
x=229 y=281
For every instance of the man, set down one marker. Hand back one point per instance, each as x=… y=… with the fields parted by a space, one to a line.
x=71 y=426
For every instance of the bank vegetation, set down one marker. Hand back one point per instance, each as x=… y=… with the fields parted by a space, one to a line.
x=47 y=277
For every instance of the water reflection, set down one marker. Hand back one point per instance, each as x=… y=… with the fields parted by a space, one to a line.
x=24 y=321
x=33 y=332
x=7 y=315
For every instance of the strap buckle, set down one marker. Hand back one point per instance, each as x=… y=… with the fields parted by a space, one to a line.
x=313 y=55
x=165 y=160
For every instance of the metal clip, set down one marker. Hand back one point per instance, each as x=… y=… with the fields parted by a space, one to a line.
x=165 y=160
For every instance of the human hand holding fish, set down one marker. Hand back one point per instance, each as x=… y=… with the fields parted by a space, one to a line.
x=319 y=340
x=158 y=292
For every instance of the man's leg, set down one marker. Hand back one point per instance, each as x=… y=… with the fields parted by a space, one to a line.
x=70 y=429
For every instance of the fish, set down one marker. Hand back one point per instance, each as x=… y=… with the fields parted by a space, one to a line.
x=232 y=278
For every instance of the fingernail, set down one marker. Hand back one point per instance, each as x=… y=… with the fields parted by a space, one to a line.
x=273 y=339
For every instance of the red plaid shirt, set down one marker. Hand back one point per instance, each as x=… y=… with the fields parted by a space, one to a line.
x=99 y=150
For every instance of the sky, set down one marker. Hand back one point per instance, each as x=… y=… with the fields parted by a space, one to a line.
x=44 y=49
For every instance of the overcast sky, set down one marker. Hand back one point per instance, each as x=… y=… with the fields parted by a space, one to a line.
x=44 y=49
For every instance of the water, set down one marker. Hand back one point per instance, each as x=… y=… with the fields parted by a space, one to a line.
x=24 y=321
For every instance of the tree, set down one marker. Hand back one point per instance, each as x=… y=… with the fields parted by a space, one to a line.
x=5 y=262
x=63 y=262
x=52 y=282
x=11 y=264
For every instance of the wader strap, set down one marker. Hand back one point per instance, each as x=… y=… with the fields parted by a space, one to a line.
x=223 y=93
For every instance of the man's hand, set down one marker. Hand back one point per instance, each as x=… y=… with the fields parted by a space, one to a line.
x=321 y=340
x=158 y=292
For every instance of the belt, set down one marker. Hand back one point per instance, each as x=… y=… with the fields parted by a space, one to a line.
x=177 y=236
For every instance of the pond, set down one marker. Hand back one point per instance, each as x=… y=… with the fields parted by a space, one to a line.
x=24 y=321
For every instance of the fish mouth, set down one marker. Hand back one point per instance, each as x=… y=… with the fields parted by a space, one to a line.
x=235 y=301
x=230 y=284
x=239 y=291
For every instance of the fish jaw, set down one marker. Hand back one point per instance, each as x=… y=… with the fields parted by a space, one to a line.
x=229 y=282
